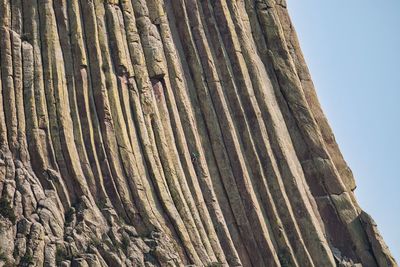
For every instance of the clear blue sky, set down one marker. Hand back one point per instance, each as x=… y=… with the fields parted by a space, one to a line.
x=353 y=51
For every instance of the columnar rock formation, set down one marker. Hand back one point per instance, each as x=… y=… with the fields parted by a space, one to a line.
x=168 y=133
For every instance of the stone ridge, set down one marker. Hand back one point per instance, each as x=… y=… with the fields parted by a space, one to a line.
x=168 y=133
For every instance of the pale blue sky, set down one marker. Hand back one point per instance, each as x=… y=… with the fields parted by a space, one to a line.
x=353 y=51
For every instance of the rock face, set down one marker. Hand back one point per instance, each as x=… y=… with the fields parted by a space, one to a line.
x=168 y=133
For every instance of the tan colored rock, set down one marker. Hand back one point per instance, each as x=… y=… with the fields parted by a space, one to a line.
x=168 y=133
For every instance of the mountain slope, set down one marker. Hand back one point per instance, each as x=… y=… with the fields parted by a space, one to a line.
x=168 y=133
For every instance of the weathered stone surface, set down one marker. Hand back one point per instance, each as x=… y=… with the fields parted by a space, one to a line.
x=168 y=133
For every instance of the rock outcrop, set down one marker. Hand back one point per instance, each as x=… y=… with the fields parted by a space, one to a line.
x=168 y=133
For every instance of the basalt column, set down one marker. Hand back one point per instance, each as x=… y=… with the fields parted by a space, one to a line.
x=168 y=133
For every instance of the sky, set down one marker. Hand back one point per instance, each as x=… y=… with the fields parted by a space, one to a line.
x=353 y=51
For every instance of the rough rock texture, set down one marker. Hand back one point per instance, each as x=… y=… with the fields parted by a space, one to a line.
x=168 y=133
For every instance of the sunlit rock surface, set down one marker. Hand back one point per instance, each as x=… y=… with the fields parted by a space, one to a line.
x=168 y=133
